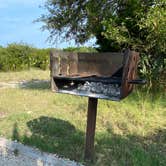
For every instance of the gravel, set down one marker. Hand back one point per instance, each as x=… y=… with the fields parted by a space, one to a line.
x=15 y=154
x=8 y=158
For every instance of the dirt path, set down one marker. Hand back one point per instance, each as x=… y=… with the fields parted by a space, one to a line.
x=16 y=154
x=21 y=84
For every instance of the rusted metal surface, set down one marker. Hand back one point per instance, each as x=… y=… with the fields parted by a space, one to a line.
x=129 y=72
x=85 y=64
x=94 y=78
x=62 y=63
x=114 y=73
x=99 y=64
x=90 y=130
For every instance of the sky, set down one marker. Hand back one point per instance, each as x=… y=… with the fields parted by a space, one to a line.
x=16 y=24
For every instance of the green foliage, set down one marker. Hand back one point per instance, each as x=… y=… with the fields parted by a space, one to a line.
x=78 y=19
x=141 y=26
x=80 y=49
x=137 y=24
x=17 y=57
x=131 y=132
x=4 y=59
x=155 y=23
x=40 y=58
x=155 y=42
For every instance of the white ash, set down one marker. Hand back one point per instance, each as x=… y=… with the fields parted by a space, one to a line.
x=100 y=88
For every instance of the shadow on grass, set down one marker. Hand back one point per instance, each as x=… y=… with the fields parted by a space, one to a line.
x=55 y=136
x=35 y=85
x=15 y=134
x=61 y=137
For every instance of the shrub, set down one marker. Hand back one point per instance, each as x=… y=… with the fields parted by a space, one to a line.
x=4 y=59
x=19 y=56
x=22 y=56
x=40 y=58
x=80 y=49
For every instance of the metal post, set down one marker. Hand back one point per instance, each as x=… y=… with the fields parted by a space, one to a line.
x=90 y=130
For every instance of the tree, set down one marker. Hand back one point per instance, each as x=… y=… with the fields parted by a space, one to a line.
x=83 y=19
x=76 y=19
x=155 y=43
x=116 y=24
x=141 y=26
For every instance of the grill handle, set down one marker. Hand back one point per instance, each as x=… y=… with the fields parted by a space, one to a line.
x=137 y=81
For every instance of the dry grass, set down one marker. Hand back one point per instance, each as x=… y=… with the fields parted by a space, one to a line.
x=24 y=75
x=130 y=132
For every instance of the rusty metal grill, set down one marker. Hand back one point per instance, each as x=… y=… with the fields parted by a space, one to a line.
x=95 y=75
x=98 y=75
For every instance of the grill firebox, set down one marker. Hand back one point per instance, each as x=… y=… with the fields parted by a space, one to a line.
x=98 y=75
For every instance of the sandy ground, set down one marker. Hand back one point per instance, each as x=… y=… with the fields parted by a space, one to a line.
x=16 y=154
x=21 y=84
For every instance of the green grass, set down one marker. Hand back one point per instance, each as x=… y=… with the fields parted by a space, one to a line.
x=130 y=132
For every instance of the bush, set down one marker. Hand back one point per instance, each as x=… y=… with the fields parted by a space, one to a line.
x=21 y=56
x=17 y=57
x=40 y=58
x=4 y=59
x=80 y=49
x=140 y=25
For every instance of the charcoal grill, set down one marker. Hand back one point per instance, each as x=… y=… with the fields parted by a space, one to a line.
x=96 y=75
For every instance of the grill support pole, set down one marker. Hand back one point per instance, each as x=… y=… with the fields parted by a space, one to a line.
x=90 y=130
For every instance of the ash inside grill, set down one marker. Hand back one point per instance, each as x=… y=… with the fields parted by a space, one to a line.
x=93 y=86
x=100 y=88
